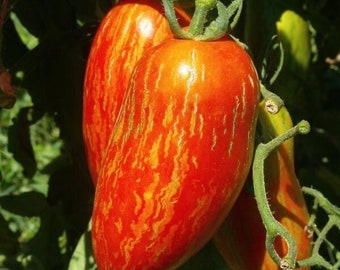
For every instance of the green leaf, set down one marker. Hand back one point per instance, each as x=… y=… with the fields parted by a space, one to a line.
x=31 y=15
x=293 y=32
x=26 y=204
x=19 y=142
x=44 y=246
x=8 y=239
x=82 y=257
x=12 y=47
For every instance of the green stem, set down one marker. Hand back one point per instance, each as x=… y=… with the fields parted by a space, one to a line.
x=333 y=214
x=273 y=227
x=322 y=201
x=268 y=63
x=197 y=28
x=217 y=28
x=234 y=8
x=322 y=236
x=170 y=14
x=316 y=259
x=273 y=102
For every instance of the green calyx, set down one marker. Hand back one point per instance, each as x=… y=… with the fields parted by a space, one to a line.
x=199 y=28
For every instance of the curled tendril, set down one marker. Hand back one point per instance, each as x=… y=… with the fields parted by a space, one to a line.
x=304 y=127
x=268 y=63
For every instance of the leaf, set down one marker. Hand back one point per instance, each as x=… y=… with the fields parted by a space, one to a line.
x=12 y=47
x=44 y=246
x=293 y=33
x=20 y=144
x=7 y=237
x=11 y=263
x=31 y=15
x=26 y=204
x=82 y=257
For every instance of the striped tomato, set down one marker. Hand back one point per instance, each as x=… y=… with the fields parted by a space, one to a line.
x=244 y=228
x=178 y=156
x=127 y=31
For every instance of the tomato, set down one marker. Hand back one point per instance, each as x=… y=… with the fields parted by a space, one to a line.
x=178 y=156
x=244 y=228
x=126 y=32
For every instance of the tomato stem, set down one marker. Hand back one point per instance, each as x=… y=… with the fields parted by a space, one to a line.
x=170 y=14
x=202 y=7
x=197 y=28
x=273 y=227
x=217 y=28
x=273 y=102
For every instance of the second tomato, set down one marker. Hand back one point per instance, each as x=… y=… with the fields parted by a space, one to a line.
x=127 y=31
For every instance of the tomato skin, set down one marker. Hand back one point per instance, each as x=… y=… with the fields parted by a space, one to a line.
x=244 y=228
x=178 y=156
x=126 y=32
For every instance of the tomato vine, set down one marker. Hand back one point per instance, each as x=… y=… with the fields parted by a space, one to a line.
x=333 y=213
x=274 y=228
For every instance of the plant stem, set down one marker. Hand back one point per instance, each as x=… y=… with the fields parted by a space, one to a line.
x=273 y=102
x=198 y=20
x=273 y=227
x=170 y=14
x=198 y=30
x=333 y=221
x=322 y=201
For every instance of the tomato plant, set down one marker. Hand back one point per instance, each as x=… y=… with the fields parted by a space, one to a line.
x=46 y=191
x=129 y=28
x=178 y=156
x=244 y=224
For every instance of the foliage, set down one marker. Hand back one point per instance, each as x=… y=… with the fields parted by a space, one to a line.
x=46 y=192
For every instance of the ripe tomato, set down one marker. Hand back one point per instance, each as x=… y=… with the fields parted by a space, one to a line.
x=127 y=31
x=244 y=228
x=178 y=156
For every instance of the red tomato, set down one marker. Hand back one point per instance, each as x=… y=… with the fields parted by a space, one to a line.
x=127 y=31
x=178 y=156
x=244 y=228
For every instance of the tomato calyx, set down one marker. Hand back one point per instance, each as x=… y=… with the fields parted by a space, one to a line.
x=198 y=29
